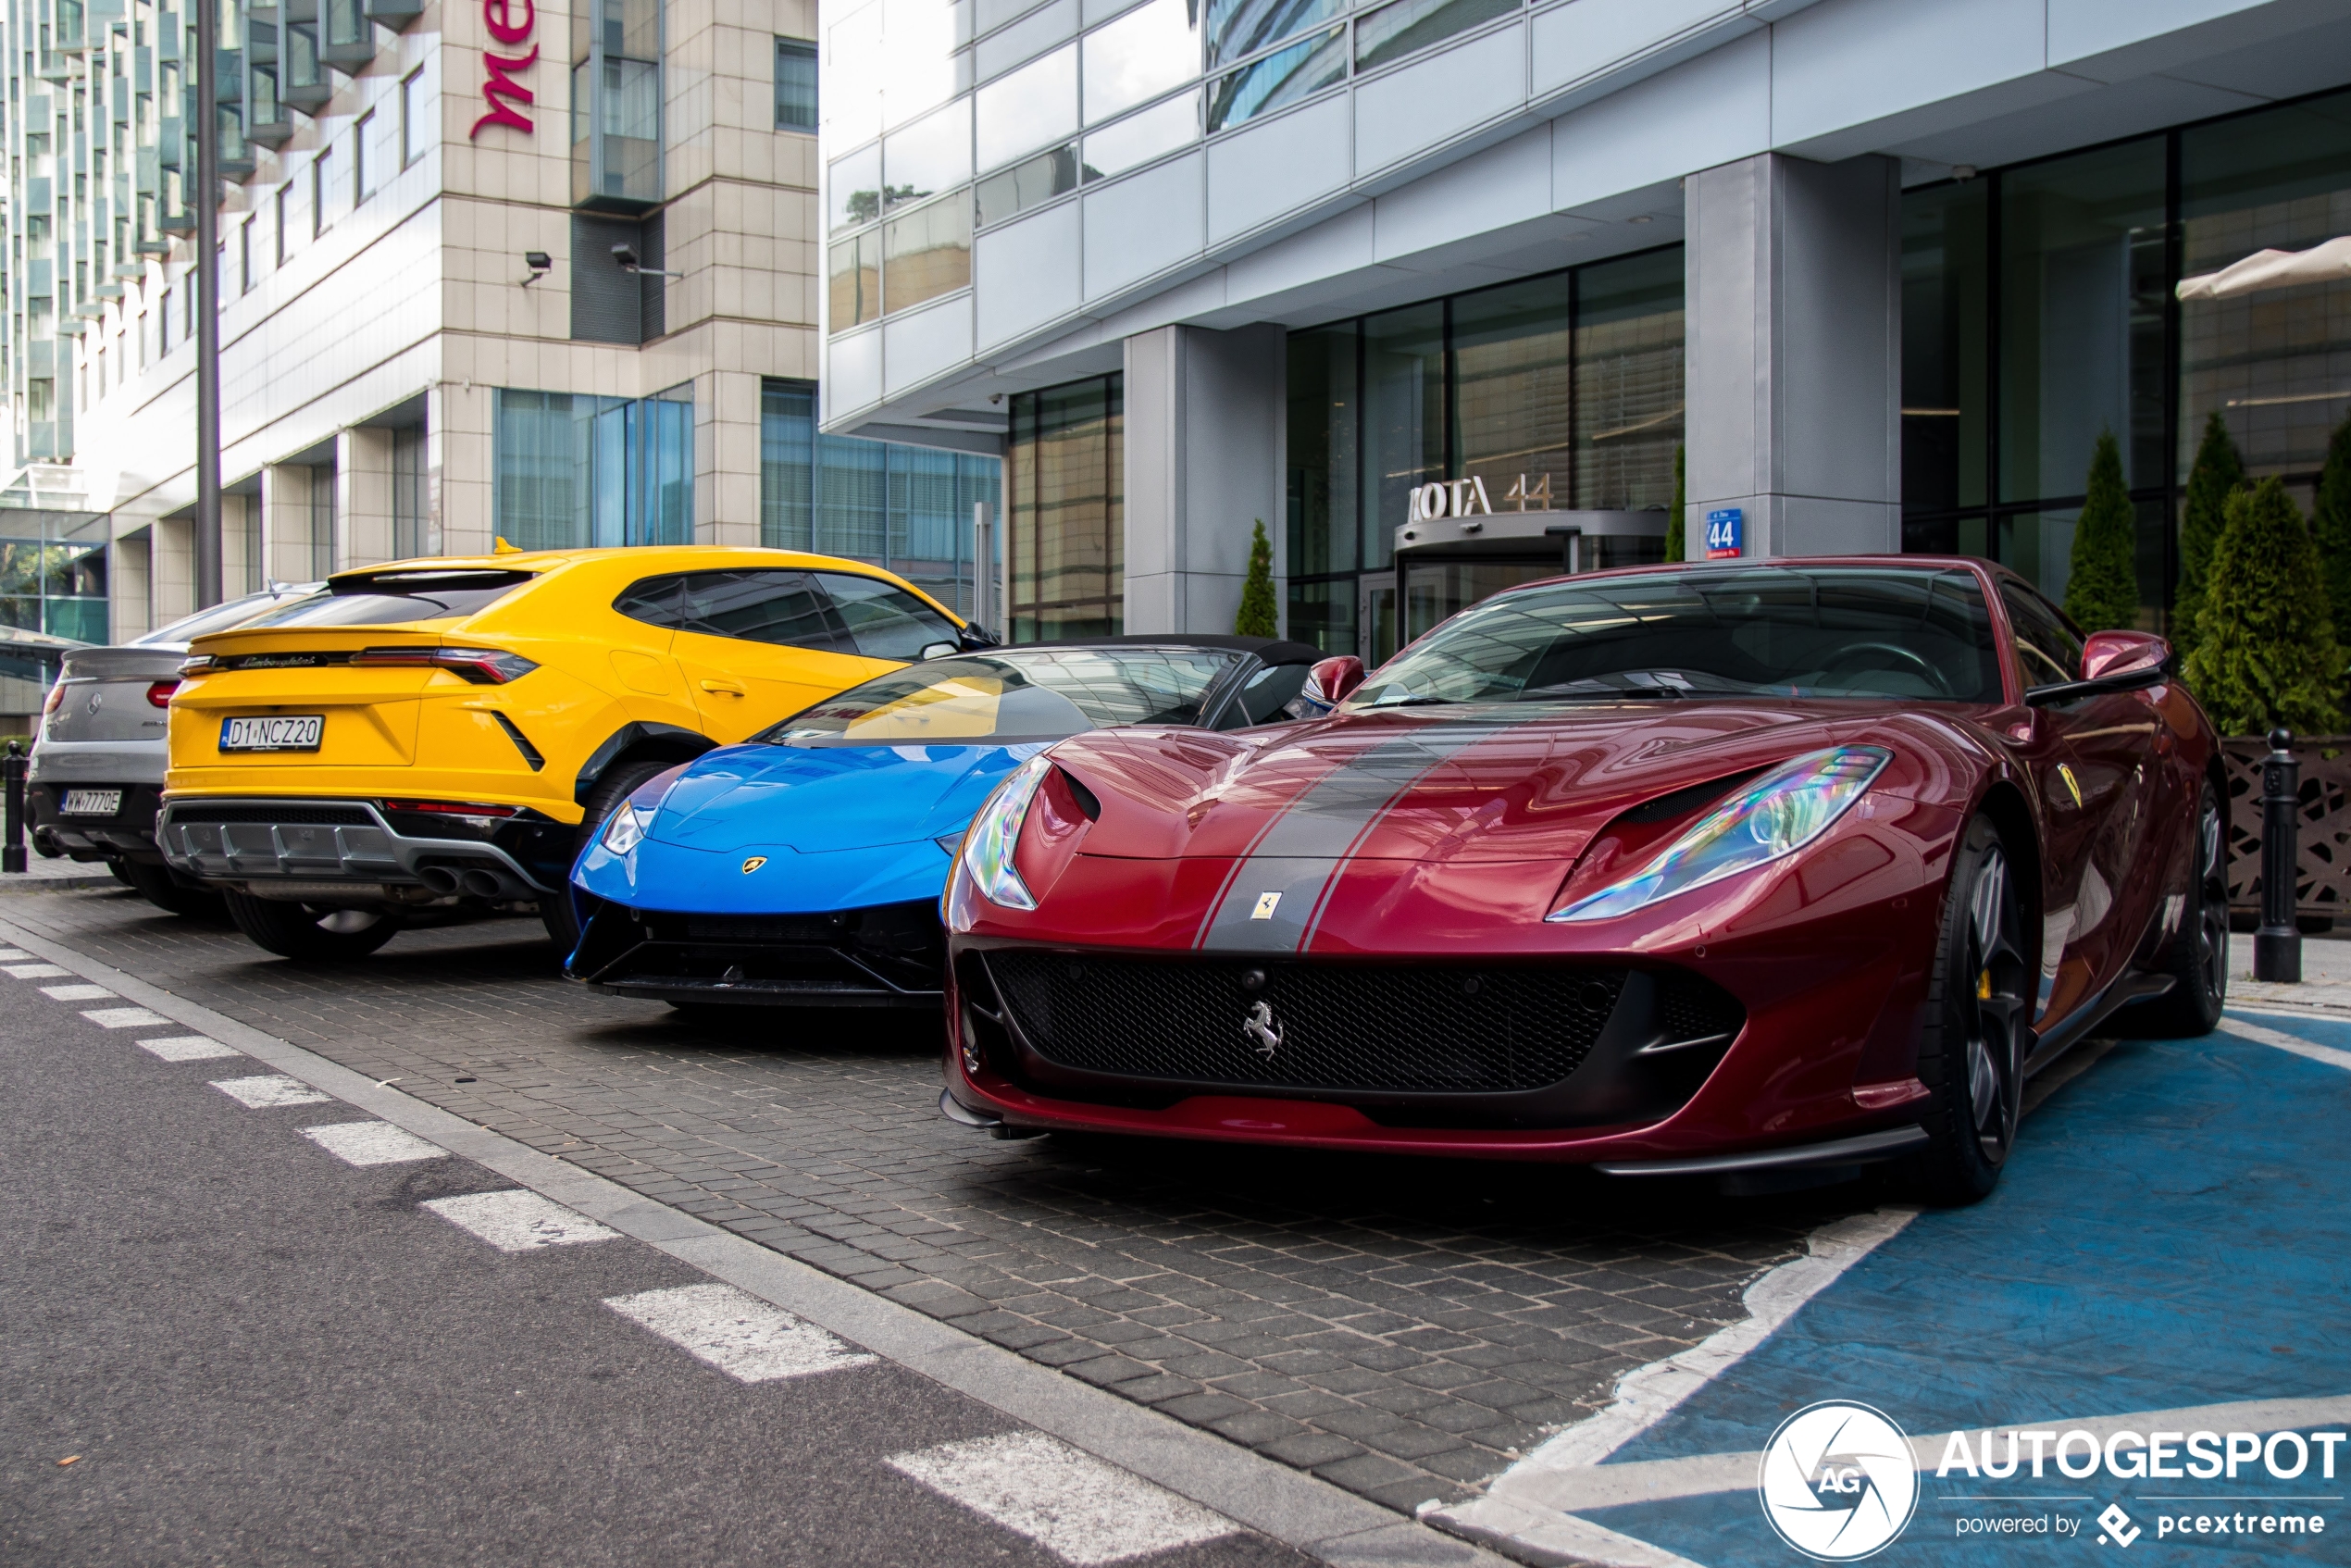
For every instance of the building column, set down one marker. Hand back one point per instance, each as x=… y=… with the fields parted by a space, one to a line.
x=285 y=522
x=459 y=455
x=1203 y=461
x=172 y=570
x=236 y=547
x=362 y=497
x=129 y=610
x=1794 y=364
x=727 y=458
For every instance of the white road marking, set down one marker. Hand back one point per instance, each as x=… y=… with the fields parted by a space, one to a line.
x=744 y=1337
x=1076 y=1506
x=188 y=1048
x=76 y=993
x=518 y=1220
x=372 y=1143
x=125 y=1018
x=37 y=971
x=1522 y=1496
x=2283 y=1041
x=270 y=1091
x=10 y=953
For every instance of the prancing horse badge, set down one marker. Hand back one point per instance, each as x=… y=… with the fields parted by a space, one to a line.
x=754 y=864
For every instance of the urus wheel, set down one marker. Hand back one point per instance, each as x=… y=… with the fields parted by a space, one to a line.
x=313 y=935
x=1972 y=1055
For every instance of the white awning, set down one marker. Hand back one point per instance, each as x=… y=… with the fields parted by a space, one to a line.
x=2273 y=270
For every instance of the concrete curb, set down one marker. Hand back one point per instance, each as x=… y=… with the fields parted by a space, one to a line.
x=1327 y=1523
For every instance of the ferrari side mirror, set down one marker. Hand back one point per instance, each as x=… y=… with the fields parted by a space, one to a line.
x=2122 y=653
x=1334 y=679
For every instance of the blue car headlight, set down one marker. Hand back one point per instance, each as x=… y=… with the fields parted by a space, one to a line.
x=626 y=828
x=1773 y=816
x=989 y=841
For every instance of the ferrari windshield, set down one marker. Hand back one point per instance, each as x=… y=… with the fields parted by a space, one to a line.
x=1016 y=694
x=1784 y=631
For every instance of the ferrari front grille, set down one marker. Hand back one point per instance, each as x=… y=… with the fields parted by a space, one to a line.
x=1366 y=1028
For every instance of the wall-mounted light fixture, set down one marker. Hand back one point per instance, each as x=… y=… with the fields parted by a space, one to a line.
x=627 y=256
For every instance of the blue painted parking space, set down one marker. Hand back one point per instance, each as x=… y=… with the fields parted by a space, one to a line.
x=2173 y=1241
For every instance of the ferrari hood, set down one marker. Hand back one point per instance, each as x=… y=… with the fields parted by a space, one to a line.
x=819 y=799
x=1476 y=782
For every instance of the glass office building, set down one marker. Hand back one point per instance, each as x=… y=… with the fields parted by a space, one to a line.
x=1882 y=275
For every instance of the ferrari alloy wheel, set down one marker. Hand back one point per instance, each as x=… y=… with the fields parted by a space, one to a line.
x=1974 y=1057
x=2195 y=956
x=305 y=932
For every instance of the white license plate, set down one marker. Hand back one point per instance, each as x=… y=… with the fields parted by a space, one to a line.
x=92 y=803
x=280 y=732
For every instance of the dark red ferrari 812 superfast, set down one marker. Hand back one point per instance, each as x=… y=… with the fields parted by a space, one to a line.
x=1767 y=870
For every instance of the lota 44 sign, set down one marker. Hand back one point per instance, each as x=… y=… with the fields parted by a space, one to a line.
x=510 y=23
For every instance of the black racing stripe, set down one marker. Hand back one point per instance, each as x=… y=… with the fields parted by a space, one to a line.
x=1300 y=854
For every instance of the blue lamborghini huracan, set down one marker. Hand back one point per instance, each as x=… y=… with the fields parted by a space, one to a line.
x=806 y=866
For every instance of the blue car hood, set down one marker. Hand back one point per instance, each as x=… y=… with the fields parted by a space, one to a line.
x=839 y=827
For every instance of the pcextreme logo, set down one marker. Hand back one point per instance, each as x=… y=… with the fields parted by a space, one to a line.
x=1837 y=1481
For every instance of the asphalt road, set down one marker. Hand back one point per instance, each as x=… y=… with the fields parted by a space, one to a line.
x=256 y=1352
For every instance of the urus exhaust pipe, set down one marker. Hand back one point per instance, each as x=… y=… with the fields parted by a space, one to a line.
x=437 y=878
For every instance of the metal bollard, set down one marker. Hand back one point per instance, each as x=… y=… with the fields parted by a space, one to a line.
x=12 y=768
x=2277 y=946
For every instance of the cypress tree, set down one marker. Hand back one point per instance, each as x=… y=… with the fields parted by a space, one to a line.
x=1677 y=545
x=2102 y=591
x=2218 y=472
x=2330 y=526
x=2265 y=653
x=1258 y=616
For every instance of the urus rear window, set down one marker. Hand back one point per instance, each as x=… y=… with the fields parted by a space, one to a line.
x=396 y=599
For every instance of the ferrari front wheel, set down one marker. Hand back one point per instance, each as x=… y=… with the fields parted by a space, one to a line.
x=1971 y=1055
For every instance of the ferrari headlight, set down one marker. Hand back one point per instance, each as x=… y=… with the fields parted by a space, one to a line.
x=625 y=829
x=989 y=841
x=1773 y=814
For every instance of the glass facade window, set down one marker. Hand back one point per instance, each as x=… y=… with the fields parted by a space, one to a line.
x=1398 y=30
x=1237 y=27
x=576 y=470
x=926 y=254
x=414 y=530
x=1145 y=53
x=1032 y=108
x=616 y=105
x=2039 y=309
x=52 y=573
x=1067 y=526
x=1557 y=392
x=795 y=86
x=1279 y=79
x=930 y=156
x=322 y=520
x=907 y=509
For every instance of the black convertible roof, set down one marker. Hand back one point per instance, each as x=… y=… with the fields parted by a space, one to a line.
x=1272 y=650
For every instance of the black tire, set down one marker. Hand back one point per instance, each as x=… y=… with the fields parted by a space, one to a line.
x=121 y=870
x=161 y=888
x=2196 y=956
x=619 y=783
x=1971 y=1051
x=309 y=934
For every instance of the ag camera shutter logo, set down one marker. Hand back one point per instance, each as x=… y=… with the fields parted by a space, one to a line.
x=1837 y=1481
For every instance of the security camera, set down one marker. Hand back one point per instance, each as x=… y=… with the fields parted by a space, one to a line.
x=539 y=263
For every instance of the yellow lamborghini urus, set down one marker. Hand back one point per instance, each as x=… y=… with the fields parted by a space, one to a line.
x=430 y=739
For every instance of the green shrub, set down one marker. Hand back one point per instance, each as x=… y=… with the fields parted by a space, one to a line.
x=1676 y=547
x=2102 y=590
x=2265 y=653
x=1259 y=615
x=2218 y=473
x=2330 y=526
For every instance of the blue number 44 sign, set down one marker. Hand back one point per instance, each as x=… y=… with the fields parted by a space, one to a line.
x=1725 y=532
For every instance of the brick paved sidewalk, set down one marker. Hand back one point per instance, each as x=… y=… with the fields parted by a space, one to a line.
x=1403 y=1328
